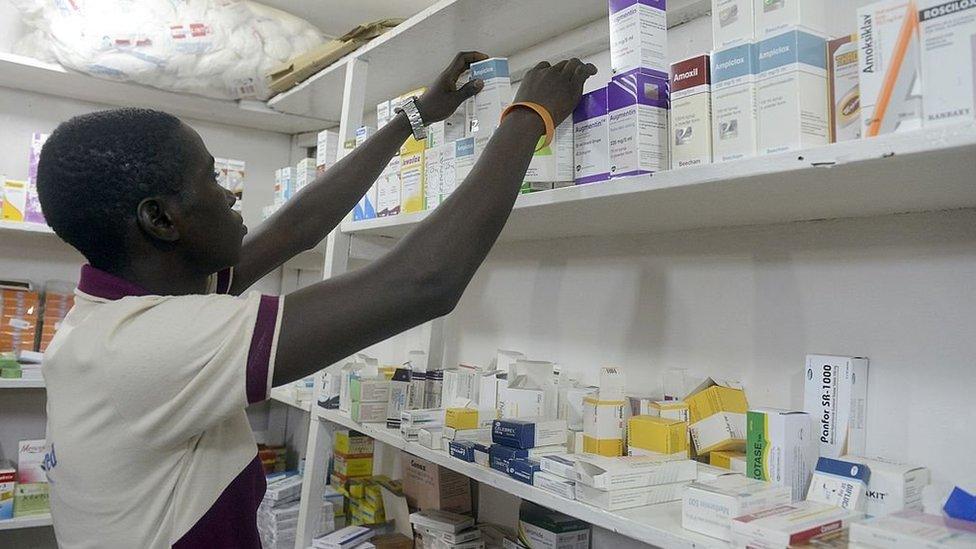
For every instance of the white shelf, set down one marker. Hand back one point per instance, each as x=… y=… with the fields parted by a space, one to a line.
x=413 y=53
x=658 y=525
x=25 y=73
x=286 y=396
x=21 y=383
x=25 y=522
x=24 y=227
x=924 y=170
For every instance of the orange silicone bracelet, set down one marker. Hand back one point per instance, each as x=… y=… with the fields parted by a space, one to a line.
x=542 y=112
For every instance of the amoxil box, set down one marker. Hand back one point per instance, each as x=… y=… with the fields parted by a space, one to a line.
x=528 y=434
x=691 y=112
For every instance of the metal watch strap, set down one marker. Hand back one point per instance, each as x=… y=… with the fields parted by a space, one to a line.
x=409 y=107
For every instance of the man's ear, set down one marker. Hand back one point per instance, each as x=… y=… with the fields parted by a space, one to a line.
x=155 y=219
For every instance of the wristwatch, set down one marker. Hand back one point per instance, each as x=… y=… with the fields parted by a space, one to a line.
x=413 y=115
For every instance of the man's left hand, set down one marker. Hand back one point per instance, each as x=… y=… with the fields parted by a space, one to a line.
x=443 y=97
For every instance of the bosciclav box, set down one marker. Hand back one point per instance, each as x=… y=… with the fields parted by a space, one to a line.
x=691 y=111
x=528 y=434
x=637 y=105
x=948 y=32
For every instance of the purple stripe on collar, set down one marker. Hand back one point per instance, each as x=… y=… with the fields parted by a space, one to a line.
x=224 y=280
x=98 y=283
x=259 y=354
x=231 y=522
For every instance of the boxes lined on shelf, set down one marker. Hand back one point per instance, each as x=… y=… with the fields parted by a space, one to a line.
x=691 y=112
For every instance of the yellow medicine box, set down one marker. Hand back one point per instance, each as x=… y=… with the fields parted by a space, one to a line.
x=656 y=434
x=712 y=397
x=352 y=443
x=468 y=418
x=670 y=409
x=723 y=458
x=353 y=466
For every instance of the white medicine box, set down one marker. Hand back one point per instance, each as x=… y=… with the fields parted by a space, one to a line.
x=733 y=23
x=734 y=124
x=776 y=16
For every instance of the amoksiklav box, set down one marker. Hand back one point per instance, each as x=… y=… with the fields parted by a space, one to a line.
x=708 y=508
x=638 y=104
x=792 y=92
x=591 y=138
x=775 y=16
x=733 y=23
x=518 y=433
x=691 y=112
x=781 y=448
x=835 y=390
x=734 y=120
x=948 y=43
x=889 y=60
x=639 y=36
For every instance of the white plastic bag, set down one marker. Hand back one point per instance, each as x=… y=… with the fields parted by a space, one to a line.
x=216 y=48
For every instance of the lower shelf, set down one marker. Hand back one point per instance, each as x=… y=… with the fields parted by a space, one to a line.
x=658 y=525
x=25 y=522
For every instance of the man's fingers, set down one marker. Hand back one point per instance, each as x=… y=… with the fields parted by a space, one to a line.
x=570 y=66
x=560 y=66
x=462 y=62
x=583 y=72
x=471 y=88
x=541 y=65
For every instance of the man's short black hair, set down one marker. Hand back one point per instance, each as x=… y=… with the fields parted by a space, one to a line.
x=96 y=168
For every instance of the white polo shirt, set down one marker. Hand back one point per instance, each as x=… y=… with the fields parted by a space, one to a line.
x=149 y=442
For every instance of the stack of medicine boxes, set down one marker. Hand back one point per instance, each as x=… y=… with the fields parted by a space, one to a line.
x=353 y=461
x=603 y=416
x=517 y=445
x=465 y=430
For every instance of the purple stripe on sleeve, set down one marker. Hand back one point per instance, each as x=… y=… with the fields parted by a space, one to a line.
x=223 y=280
x=259 y=354
x=231 y=522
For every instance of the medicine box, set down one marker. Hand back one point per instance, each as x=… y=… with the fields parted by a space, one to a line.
x=441 y=521
x=843 y=89
x=469 y=418
x=384 y=113
x=326 y=150
x=494 y=97
x=528 y=434
x=638 y=105
x=368 y=412
x=629 y=497
x=32 y=211
x=515 y=403
x=733 y=23
x=412 y=182
x=892 y=487
x=541 y=528
x=670 y=409
x=8 y=479
x=775 y=16
x=432 y=176
x=369 y=390
x=499 y=455
x=735 y=131
x=781 y=448
x=481 y=454
x=462 y=449
x=482 y=434
x=352 y=443
x=561 y=465
x=655 y=434
x=591 y=138
x=351 y=466
x=603 y=426
x=724 y=458
x=691 y=111
x=448 y=171
x=638 y=36
x=363 y=133
x=948 y=32
x=523 y=470
x=446 y=131
x=789 y=525
x=555 y=484
x=430 y=438
x=31 y=499
x=14 y=204
x=388 y=190
x=465 y=155
x=554 y=163
x=714 y=396
x=835 y=392
x=30 y=461
x=792 y=92
x=617 y=473
x=720 y=431
x=910 y=529
x=890 y=64
x=708 y=508
x=708 y=473
x=427 y=485
x=422 y=418
x=839 y=483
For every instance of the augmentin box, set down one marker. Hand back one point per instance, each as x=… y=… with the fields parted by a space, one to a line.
x=638 y=105
x=591 y=136
x=638 y=36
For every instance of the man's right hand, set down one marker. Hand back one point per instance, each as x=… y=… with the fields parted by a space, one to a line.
x=557 y=87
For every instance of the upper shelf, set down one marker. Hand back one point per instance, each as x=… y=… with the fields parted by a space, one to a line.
x=25 y=73
x=413 y=53
x=658 y=525
x=924 y=170
x=33 y=228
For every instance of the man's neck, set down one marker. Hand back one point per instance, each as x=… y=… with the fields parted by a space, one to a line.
x=160 y=276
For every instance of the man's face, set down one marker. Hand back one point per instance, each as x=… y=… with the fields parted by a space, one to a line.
x=211 y=232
